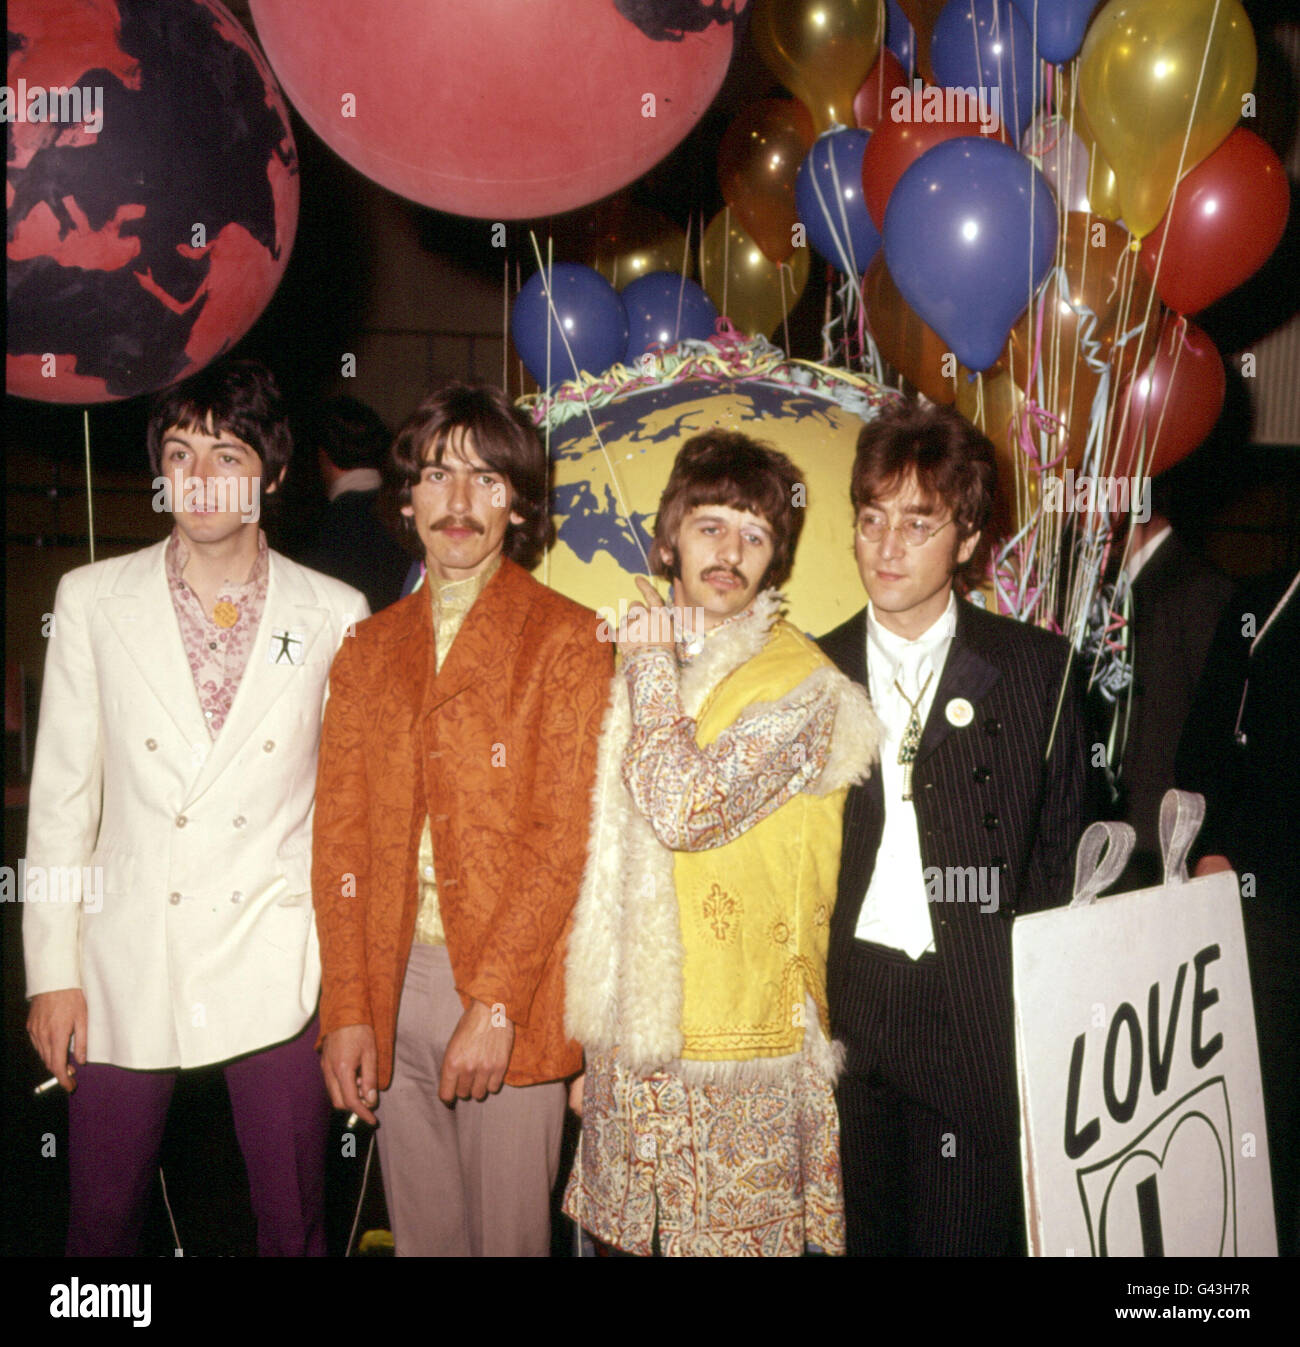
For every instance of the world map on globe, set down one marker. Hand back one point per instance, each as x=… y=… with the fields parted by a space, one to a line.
x=605 y=492
x=145 y=240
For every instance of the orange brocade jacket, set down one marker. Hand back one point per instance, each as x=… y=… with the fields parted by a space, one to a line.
x=499 y=752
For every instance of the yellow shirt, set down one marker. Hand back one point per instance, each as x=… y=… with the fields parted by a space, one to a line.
x=451 y=600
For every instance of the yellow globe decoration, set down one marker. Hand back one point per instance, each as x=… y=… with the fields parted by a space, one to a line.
x=607 y=480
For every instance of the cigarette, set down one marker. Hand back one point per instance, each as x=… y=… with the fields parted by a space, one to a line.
x=351 y=1123
x=45 y=1086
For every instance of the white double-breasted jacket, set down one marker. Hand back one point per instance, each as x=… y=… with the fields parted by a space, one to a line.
x=203 y=946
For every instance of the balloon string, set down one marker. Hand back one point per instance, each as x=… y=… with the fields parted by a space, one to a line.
x=554 y=316
x=847 y=263
x=1164 y=240
x=505 y=326
x=1182 y=157
x=882 y=15
x=550 y=272
x=726 y=259
x=90 y=495
x=681 y=289
x=785 y=315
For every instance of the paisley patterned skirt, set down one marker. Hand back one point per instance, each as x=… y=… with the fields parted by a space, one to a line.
x=720 y=1170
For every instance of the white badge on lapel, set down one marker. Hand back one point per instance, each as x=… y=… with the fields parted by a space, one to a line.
x=286 y=647
x=959 y=712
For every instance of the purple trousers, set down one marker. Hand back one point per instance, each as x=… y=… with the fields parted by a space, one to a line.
x=115 y=1129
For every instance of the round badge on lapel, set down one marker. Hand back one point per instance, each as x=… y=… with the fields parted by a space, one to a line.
x=959 y=712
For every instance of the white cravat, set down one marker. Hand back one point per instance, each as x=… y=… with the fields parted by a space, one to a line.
x=895 y=911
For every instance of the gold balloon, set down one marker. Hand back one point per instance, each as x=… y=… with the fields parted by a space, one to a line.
x=744 y=283
x=1138 y=74
x=821 y=50
x=758 y=161
x=1103 y=187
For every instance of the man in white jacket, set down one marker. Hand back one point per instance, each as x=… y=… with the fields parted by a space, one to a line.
x=174 y=776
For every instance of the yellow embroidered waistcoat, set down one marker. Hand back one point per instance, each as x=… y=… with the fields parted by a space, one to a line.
x=755 y=913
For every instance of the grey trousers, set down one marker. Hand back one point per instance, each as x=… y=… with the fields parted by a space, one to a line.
x=474 y=1180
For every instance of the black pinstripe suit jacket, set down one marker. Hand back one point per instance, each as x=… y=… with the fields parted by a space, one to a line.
x=986 y=794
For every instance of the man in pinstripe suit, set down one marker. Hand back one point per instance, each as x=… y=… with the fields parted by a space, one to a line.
x=973 y=817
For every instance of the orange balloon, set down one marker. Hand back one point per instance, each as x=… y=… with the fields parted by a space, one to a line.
x=623 y=241
x=914 y=349
x=758 y=161
x=1104 y=287
x=999 y=416
x=922 y=15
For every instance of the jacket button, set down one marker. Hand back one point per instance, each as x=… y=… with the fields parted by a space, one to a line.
x=151 y=745
x=173 y=898
x=993 y=725
x=236 y=897
x=268 y=746
x=181 y=820
x=981 y=774
x=990 y=821
x=239 y=821
x=998 y=863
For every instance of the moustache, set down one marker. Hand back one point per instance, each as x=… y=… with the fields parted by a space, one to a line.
x=456 y=522
x=732 y=571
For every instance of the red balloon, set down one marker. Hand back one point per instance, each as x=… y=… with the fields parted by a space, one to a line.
x=874 y=99
x=501 y=109
x=896 y=145
x=1228 y=216
x=1184 y=383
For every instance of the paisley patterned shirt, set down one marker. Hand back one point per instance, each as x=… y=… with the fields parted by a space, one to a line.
x=734 y=1170
x=217 y=655
x=697 y=798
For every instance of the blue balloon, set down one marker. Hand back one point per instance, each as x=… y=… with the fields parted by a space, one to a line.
x=663 y=308
x=987 y=46
x=828 y=196
x=970 y=233
x=590 y=314
x=900 y=36
x=1061 y=26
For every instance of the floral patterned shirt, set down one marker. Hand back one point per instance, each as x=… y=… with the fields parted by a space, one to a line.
x=217 y=654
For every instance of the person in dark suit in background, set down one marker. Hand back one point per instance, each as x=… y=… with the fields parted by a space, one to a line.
x=973 y=817
x=1240 y=749
x=353 y=544
x=1176 y=601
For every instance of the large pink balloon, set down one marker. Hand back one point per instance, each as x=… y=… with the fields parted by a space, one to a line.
x=502 y=109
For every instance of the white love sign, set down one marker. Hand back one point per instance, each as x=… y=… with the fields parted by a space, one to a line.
x=1142 y=1117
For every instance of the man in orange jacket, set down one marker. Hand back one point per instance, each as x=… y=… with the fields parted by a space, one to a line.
x=457 y=756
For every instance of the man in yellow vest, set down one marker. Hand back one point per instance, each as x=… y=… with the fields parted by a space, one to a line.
x=696 y=973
